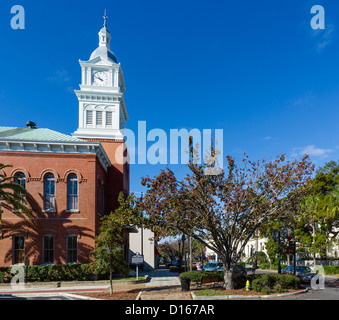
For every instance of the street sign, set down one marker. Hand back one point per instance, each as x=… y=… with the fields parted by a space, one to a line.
x=137 y=259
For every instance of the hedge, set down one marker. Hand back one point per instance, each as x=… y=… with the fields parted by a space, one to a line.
x=271 y=283
x=197 y=275
x=63 y=272
x=331 y=269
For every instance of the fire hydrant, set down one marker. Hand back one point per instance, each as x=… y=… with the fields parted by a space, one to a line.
x=248 y=287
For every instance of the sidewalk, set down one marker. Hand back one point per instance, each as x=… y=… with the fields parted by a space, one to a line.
x=164 y=285
x=162 y=277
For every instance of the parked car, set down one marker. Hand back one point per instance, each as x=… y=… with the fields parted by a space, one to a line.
x=304 y=273
x=213 y=266
x=218 y=266
x=174 y=263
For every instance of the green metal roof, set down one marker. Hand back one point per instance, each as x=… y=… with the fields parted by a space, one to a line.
x=39 y=134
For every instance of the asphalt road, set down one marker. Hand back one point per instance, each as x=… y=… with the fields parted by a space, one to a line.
x=330 y=292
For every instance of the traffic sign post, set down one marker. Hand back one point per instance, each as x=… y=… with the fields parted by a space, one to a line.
x=137 y=260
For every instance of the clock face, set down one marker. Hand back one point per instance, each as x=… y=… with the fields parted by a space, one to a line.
x=100 y=78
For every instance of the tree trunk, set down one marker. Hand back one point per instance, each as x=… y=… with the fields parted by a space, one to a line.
x=228 y=273
x=191 y=255
x=228 y=279
x=314 y=262
x=110 y=281
x=255 y=256
x=313 y=233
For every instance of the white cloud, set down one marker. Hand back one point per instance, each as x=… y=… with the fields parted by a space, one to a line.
x=312 y=151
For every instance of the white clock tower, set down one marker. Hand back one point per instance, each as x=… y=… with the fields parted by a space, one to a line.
x=102 y=109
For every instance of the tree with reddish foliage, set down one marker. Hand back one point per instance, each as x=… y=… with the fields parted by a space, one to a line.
x=224 y=211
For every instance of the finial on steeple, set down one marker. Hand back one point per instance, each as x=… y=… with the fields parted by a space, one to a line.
x=105 y=20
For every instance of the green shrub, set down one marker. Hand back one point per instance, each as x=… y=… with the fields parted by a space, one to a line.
x=330 y=269
x=271 y=283
x=65 y=272
x=197 y=275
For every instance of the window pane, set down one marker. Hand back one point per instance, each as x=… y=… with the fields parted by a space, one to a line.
x=99 y=118
x=89 y=117
x=108 y=118
x=48 y=249
x=72 y=249
x=19 y=249
x=72 y=190
x=20 y=179
x=49 y=192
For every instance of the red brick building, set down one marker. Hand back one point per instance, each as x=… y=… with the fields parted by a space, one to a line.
x=71 y=181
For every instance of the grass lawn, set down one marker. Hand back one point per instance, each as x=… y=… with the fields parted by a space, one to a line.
x=212 y=292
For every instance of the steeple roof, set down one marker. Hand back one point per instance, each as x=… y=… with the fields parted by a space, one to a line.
x=104 y=49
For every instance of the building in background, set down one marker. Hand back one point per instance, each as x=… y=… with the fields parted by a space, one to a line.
x=71 y=181
x=144 y=244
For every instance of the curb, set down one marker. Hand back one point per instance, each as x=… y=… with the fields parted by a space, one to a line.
x=71 y=295
x=230 y=297
x=139 y=294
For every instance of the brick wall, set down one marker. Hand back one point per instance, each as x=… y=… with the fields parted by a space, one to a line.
x=61 y=223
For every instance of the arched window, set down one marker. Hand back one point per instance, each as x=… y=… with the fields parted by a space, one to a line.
x=72 y=249
x=20 y=178
x=72 y=192
x=49 y=192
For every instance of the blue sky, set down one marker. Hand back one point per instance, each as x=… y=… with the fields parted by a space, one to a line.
x=255 y=69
